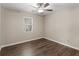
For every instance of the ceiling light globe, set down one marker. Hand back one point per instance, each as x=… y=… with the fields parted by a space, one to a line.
x=40 y=10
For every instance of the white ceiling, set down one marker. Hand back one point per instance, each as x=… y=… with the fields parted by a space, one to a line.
x=29 y=8
x=18 y=6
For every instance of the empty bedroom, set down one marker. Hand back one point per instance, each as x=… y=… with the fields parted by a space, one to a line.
x=39 y=29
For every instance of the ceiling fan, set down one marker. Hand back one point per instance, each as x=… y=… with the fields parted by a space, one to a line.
x=43 y=7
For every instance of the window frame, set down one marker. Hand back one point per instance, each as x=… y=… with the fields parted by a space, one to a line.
x=31 y=18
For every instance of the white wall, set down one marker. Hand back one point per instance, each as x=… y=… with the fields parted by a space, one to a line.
x=0 y=27
x=63 y=26
x=13 y=26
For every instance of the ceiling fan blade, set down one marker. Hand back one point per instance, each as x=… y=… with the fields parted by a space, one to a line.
x=45 y=5
x=49 y=10
x=39 y=4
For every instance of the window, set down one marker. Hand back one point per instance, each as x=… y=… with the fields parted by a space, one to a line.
x=28 y=24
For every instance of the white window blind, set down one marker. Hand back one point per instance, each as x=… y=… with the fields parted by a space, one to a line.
x=28 y=24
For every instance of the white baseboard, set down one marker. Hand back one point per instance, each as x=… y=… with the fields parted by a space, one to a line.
x=62 y=43
x=36 y=39
x=0 y=48
x=20 y=42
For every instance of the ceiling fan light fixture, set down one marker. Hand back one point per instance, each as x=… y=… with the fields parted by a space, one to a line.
x=40 y=10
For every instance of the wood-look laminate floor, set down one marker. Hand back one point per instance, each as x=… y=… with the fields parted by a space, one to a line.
x=40 y=47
